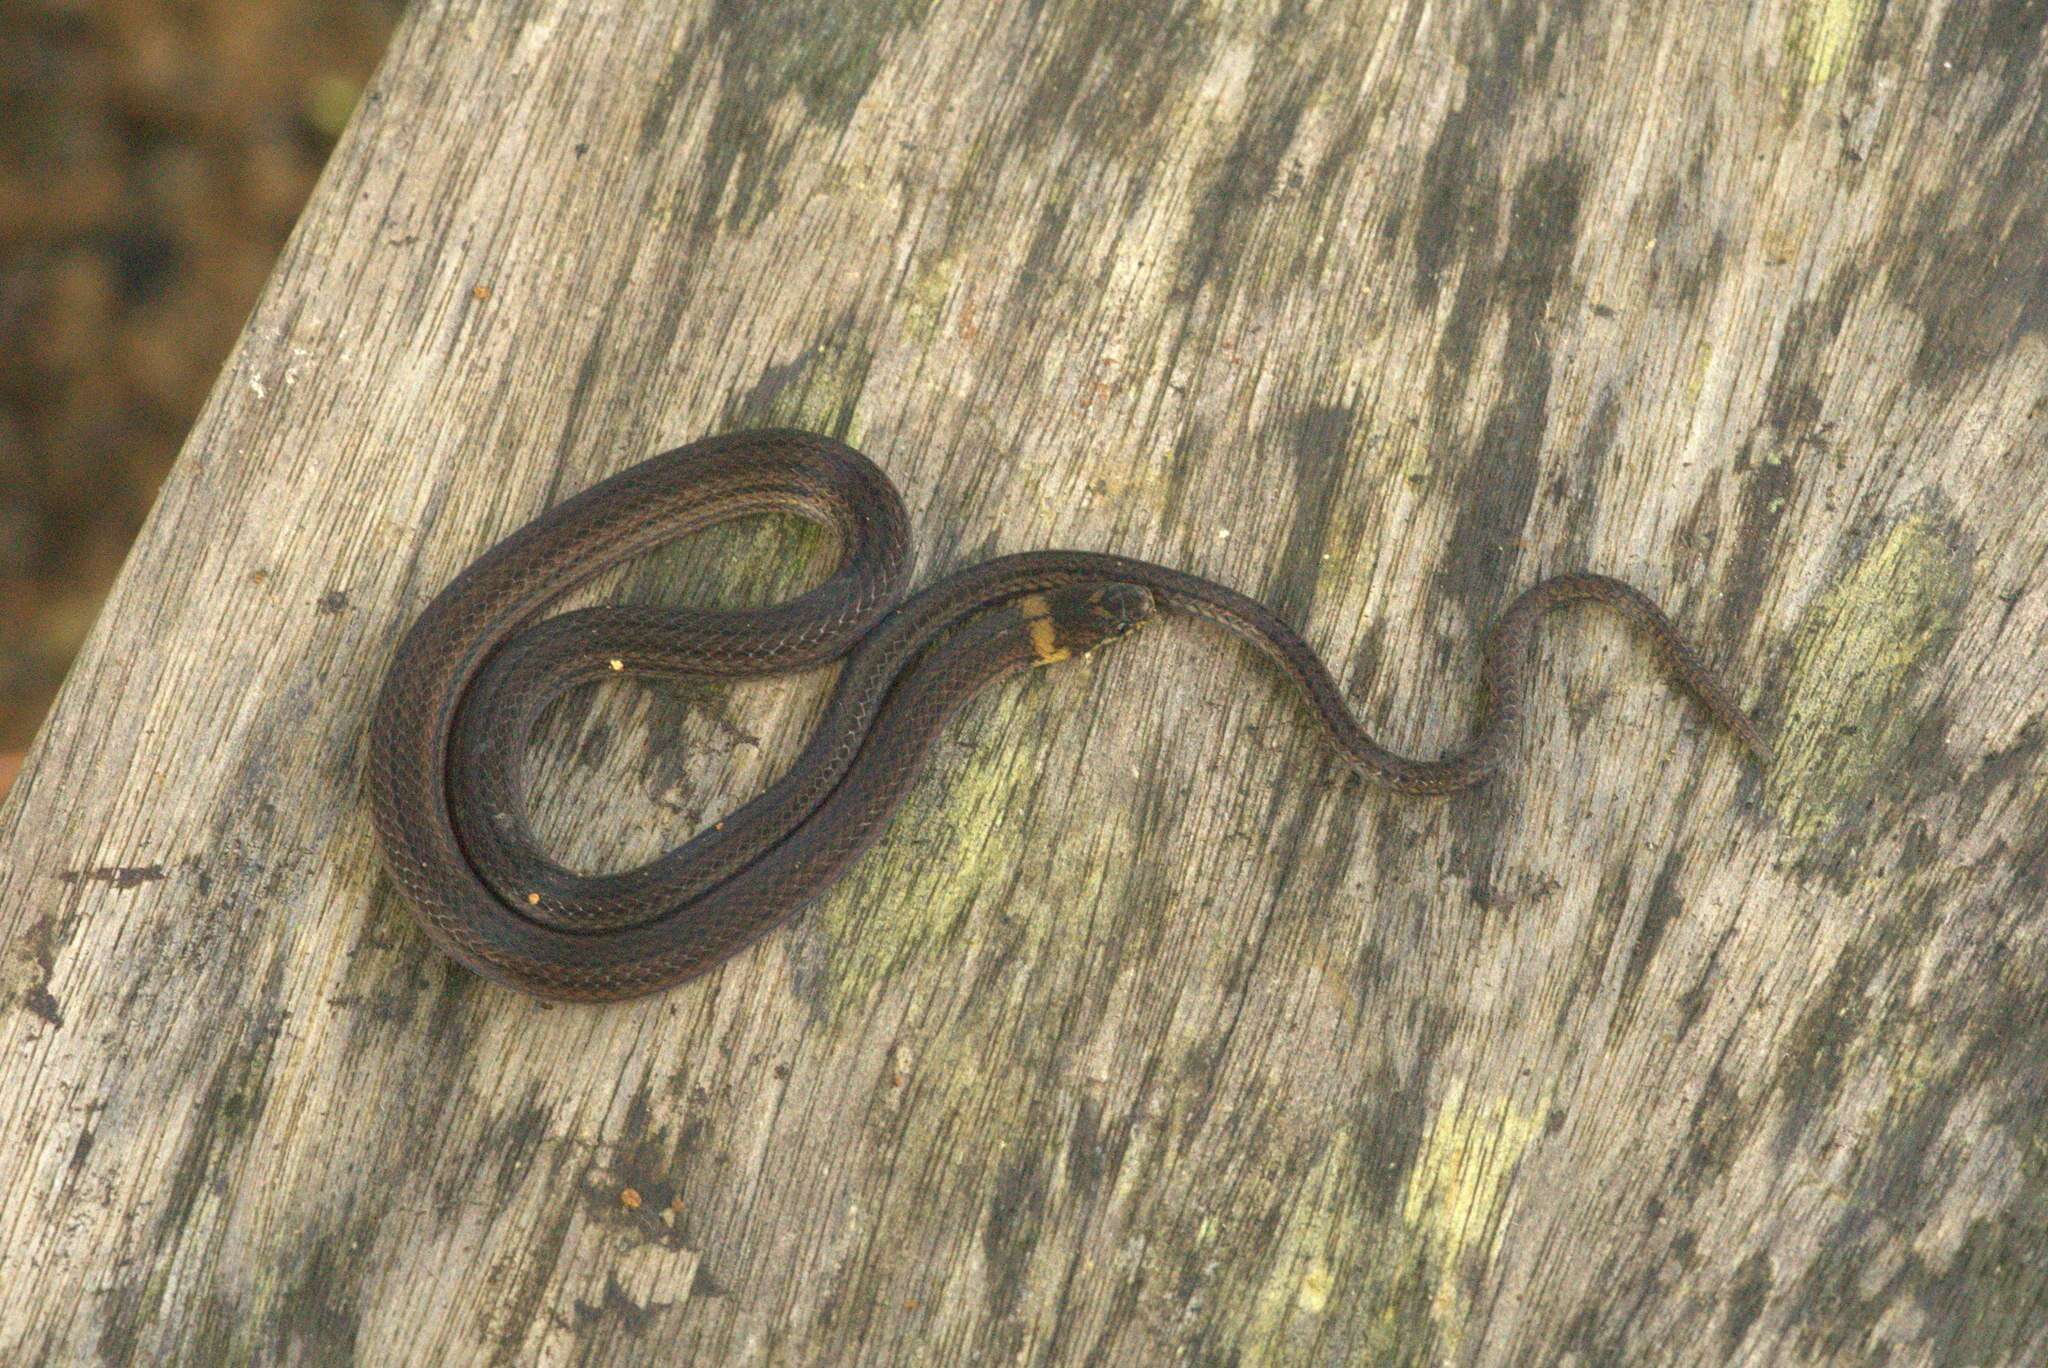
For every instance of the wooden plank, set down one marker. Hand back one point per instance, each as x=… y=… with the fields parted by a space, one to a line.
x=1142 y=1038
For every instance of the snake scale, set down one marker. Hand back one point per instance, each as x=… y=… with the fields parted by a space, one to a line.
x=472 y=676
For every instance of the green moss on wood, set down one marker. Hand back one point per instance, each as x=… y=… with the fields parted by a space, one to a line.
x=1458 y=1198
x=954 y=847
x=1821 y=37
x=1849 y=721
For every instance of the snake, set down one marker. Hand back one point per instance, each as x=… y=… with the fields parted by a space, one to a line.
x=471 y=678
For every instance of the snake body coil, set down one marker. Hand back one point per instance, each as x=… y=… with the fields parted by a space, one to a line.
x=471 y=678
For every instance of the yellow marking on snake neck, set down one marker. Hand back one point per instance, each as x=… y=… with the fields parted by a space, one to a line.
x=1045 y=640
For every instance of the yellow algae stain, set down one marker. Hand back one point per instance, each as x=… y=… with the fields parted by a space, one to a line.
x=1393 y=1284
x=1846 y=730
x=1822 y=34
x=1314 y=1296
x=1457 y=1198
x=1702 y=367
x=925 y=296
x=1301 y=1280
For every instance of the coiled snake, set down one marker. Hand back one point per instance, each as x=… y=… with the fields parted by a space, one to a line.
x=469 y=681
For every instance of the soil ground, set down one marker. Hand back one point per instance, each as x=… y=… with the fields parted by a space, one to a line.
x=153 y=156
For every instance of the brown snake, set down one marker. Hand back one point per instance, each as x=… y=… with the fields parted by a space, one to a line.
x=471 y=678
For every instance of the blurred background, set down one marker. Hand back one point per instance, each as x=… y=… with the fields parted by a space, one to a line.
x=154 y=155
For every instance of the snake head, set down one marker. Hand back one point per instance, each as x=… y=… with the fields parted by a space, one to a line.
x=1121 y=608
x=1083 y=617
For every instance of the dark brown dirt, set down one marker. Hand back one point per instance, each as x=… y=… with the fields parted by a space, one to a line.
x=153 y=156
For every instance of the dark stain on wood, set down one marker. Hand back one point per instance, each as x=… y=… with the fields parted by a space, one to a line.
x=1320 y=443
x=1506 y=54
x=1792 y=396
x=1611 y=904
x=1664 y=906
x=1689 y=249
x=1970 y=266
x=525 y=1301
x=1770 y=463
x=1814 y=1059
x=226 y=1111
x=662 y=94
x=1360 y=675
x=1573 y=490
x=1767 y=484
x=1104 y=70
x=1043 y=258
x=1010 y=1230
x=318 y=1318
x=1633 y=1281
x=27 y=964
x=1388 y=1120
x=119 y=876
x=1499 y=475
x=1716 y=1127
x=1693 y=1001
x=2003 y=38
x=585 y=389
x=654 y=1163
x=1941 y=1074
x=826 y=54
x=1748 y=1290
x=616 y=1312
x=517 y=1139
x=1232 y=208
x=1093 y=1153
x=1495 y=482
x=44 y=1004
x=2007 y=775
x=817 y=390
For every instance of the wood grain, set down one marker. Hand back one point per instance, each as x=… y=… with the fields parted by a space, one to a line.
x=1146 y=1037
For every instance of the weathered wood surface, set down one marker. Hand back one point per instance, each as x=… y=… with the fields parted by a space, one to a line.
x=1143 y=1038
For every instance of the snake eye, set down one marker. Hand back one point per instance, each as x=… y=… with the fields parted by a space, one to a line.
x=1121 y=608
